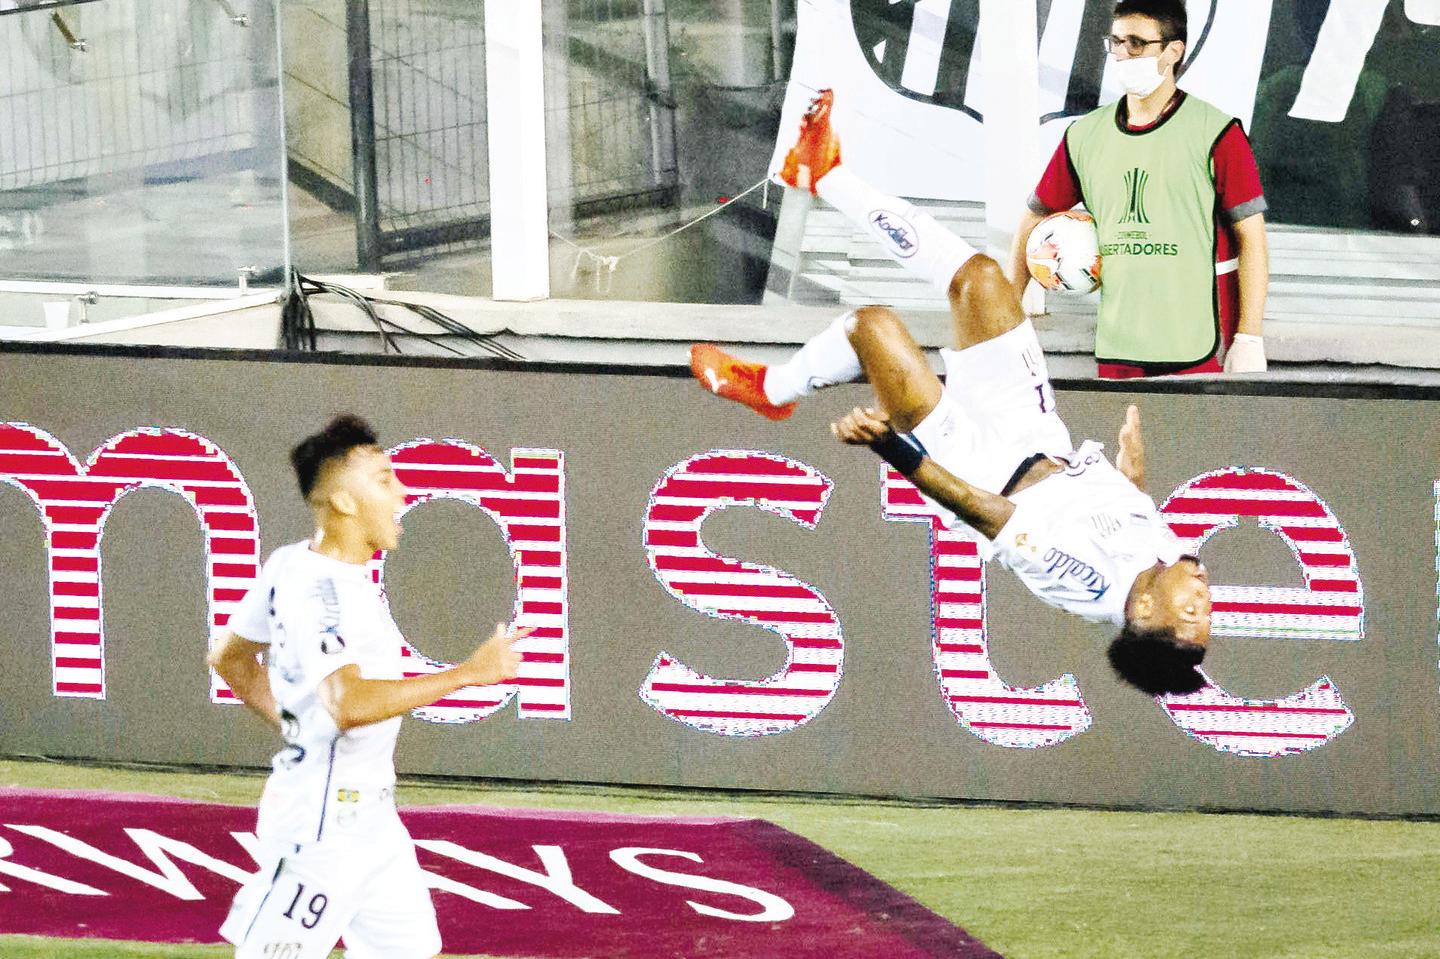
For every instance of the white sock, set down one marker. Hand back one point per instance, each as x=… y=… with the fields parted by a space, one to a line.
x=826 y=358
x=909 y=236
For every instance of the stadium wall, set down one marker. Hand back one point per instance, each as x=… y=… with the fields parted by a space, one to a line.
x=830 y=640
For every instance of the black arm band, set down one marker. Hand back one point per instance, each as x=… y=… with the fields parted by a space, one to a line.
x=900 y=450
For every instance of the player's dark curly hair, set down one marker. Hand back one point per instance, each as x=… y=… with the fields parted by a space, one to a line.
x=1168 y=14
x=1155 y=662
x=338 y=438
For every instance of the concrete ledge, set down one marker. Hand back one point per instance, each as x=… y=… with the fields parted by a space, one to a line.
x=1287 y=341
x=659 y=334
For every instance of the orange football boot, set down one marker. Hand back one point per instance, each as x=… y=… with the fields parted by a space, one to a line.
x=816 y=151
x=734 y=379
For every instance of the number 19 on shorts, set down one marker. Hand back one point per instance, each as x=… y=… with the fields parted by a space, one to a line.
x=310 y=913
x=305 y=908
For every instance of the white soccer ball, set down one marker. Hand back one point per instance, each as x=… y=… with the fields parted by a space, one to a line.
x=1063 y=252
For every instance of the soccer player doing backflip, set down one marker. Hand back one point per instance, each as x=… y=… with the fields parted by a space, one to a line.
x=987 y=446
x=334 y=857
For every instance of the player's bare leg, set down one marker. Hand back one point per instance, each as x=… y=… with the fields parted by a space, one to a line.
x=983 y=302
x=872 y=342
x=872 y=339
x=905 y=386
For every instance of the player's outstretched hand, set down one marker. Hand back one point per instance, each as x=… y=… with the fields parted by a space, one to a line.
x=1131 y=459
x=861 y=427
x=496 y=660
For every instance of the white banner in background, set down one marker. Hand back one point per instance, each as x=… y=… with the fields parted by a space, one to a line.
x=1423 y=11
x=1334 y=69
x=906 y=76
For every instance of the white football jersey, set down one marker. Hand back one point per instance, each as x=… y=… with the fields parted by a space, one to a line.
x=1078 y=539
x=318 y=614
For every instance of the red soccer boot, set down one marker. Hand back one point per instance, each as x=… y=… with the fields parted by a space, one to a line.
x=734 y=379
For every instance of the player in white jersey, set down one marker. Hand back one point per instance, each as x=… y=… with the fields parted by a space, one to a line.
x=313 y=650
x=987 y=445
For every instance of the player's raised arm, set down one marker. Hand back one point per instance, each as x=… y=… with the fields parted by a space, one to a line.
x=353 y=700
x=237 y=661
x=1131 y=458
x=984 y=511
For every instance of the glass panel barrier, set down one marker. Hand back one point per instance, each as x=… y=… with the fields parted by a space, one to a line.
x=389 y=142
x=672 y=110
x=142 y=143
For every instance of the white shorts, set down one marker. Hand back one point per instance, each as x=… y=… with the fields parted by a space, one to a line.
x=368 y=889
x=997 y=410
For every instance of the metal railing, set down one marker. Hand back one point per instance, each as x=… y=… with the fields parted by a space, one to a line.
x=417 y=91
x=620 y=113
x=101 y=87
x=128 y=126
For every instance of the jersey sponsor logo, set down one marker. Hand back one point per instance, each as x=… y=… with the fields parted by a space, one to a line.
x=331 y=642
x=1136 y=181
x=1062 y=566
x=897 y=231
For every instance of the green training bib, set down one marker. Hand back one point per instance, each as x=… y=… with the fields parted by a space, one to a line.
x=1152 y=194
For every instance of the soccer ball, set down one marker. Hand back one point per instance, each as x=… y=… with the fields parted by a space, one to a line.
x=1063 y=252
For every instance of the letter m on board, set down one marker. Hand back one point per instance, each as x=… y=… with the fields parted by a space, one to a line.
x=76 y=498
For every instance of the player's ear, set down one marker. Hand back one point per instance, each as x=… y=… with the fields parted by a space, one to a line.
x=1142 y=607
x=342 y=501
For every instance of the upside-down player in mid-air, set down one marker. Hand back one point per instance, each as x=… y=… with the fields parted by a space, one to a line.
x=987 y=446
x=334 y=857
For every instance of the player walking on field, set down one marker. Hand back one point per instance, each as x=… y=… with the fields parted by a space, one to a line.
x=335 y=858
x=987 y=446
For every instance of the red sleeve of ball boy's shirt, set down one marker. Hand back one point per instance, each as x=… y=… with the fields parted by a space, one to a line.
x=1237 y=176
x=1058 y=189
